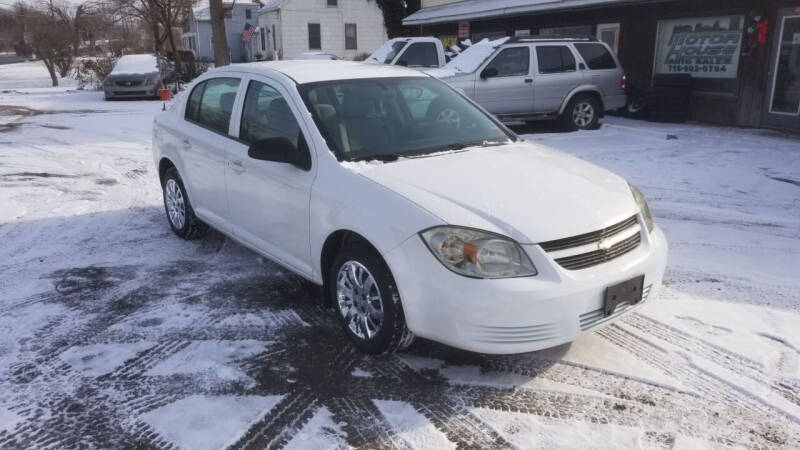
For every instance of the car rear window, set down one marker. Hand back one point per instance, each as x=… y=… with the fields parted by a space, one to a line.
x=555 y=59
x=597 y=56
x=420 y=54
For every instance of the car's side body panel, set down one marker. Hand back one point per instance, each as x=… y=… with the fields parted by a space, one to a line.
x=541 y=94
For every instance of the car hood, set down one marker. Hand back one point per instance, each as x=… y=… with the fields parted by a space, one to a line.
x=132 y=76
x=528 y=192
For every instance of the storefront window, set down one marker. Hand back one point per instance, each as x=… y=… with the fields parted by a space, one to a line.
x=703 y=47
x=786 y=95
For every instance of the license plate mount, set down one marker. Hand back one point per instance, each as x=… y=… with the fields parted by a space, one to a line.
x=629 y=292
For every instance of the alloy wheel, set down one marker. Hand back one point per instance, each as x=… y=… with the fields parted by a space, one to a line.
x=359 y=300
x=175 y=204
x=583 y=114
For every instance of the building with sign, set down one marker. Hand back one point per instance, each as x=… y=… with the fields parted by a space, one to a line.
x=743 y=56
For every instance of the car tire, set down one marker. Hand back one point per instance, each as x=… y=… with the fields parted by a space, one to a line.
x=582 y=113
x=178 y=208
x=358 y=307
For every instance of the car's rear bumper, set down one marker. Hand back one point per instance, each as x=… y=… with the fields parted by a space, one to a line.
x=615 y=102
x=517 y=315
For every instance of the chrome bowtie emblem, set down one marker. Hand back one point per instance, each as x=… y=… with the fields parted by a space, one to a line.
x=127 y=83
x=605 y=244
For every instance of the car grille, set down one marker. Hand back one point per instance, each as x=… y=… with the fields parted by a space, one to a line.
x=594 y=318
x=626 y=234
x=128 y=83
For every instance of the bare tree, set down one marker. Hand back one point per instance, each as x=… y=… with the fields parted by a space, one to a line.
x=161 y=18
x=170 y=15
x=49 y=45
x=218 y=11
x=73 y=19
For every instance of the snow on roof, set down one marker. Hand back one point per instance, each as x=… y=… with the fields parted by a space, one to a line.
x=469 y=60
x=272 y=4
x=135 y=64
x=473 y=9
x=204 y=13
x=314 y=70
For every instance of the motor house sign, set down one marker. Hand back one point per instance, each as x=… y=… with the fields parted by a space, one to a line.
x=704 y=47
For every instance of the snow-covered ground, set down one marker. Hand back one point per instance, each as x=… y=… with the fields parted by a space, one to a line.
x=113 y=332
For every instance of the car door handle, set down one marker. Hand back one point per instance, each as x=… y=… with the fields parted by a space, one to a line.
x=529 y=80
x=236 y=166
x=186 y=144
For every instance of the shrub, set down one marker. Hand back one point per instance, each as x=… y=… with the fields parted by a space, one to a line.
x=192 y=69
x=90 y=72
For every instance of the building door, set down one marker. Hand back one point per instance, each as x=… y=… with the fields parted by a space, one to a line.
x=609 y=33
x=782 y=104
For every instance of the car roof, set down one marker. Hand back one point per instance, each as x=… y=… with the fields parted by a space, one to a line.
x=314 y=70
x=539 y=38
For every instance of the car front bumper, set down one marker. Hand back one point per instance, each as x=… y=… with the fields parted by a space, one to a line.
x=130 y=92
x=516 y=315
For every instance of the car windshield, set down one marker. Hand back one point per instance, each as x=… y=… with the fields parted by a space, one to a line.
x=388 y=118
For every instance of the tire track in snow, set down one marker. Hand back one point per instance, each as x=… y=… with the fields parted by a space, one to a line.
x=748 y=411
x=718 y=355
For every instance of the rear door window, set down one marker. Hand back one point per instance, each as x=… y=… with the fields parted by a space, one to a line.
x=216 y=105
x=555 y=59
x=420 y=54
x=512 y=61
x=597 y=57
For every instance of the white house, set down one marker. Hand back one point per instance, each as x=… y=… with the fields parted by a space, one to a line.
x=344 y=28
x=200 y=41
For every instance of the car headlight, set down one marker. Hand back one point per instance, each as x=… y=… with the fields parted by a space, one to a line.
x=478 y=254
x=108 y=83
x=148 y=81
x=642 y=202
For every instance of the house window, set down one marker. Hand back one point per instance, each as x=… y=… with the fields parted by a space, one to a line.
x=314 y=37
x=350 y=36
x=263 y=39
x=333 y=2
x=248 y=14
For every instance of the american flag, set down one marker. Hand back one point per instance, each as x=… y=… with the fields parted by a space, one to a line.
x=249 y=30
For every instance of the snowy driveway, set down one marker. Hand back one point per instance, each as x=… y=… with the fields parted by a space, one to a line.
x=113 y=332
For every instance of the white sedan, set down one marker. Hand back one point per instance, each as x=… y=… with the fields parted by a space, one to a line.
x=417 y=212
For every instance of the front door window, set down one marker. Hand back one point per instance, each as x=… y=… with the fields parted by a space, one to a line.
x=786 y=91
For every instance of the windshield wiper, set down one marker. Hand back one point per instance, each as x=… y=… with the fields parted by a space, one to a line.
x=464 y=145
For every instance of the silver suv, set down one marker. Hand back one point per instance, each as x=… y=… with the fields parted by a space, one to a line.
x=574 y=79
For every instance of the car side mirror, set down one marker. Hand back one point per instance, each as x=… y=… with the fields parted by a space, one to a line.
x=280 y=149
x=402 y=62
x=582 y=66
x=489 y=72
